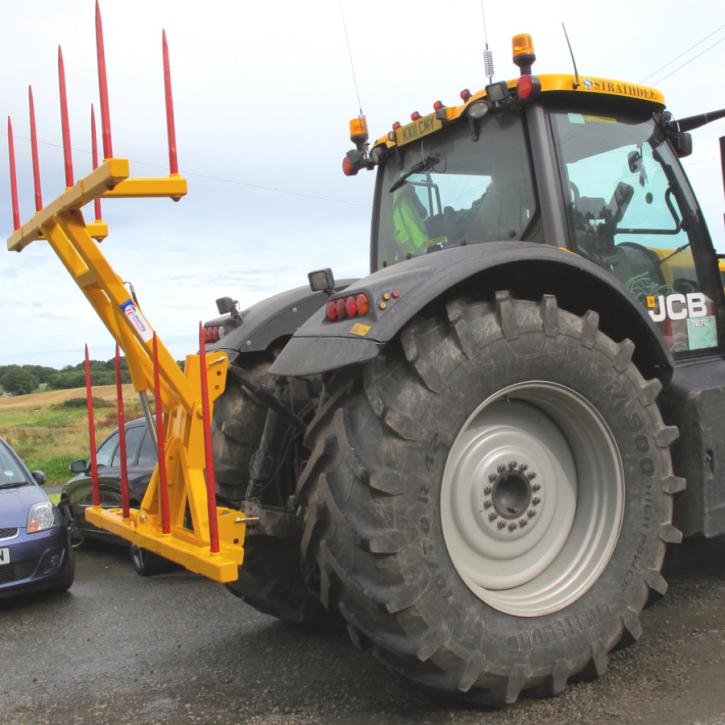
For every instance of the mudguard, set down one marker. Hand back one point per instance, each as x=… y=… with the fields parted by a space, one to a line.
x=399 y=292
x=272 y=319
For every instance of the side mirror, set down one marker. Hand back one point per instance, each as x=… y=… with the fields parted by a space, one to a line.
x=79 y=466
x=40 y=477
x=682 y=143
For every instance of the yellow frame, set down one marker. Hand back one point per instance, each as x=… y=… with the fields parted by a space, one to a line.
x=61 y=224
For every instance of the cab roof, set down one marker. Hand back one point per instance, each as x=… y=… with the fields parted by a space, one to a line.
x=553 y=84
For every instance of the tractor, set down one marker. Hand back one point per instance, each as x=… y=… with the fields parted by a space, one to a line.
x=482 y=449
x=476 y=456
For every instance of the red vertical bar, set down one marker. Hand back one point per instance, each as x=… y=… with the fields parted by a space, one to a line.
x=13 y=176
x=68 y=159
x=94 y=158
x=103 y=87
x=206 y=422
x=92 y=434
x=121 y=435
x=163 y=481
x=170 y=127
x=34 y=152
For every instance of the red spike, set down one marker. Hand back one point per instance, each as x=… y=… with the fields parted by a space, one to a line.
x=13 y=177
x=162 y=479
x=64 y=121
x=94 y=158
x=92 y=433
x=103 y=87
x=121 y=435
x=209 y=458
x=34 y=152
x=170 y=127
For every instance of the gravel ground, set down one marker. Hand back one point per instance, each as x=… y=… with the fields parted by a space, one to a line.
x=179 y=649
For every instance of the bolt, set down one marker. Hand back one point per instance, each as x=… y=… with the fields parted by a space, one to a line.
x=531 y=513
x=492 y=477
x=501 y=524
x=513 y=526
x=512 y=465
x=501 y=468
x=487 y=504
x=536 y=487
x=536 y=500
x=487 y=490
x=492 y=516
x=531 y=475
x=523 y=467
x=523 y=523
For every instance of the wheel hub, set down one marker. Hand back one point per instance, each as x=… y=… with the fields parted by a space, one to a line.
x=511 y=496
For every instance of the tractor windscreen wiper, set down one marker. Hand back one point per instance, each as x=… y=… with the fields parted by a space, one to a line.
x=422 y=165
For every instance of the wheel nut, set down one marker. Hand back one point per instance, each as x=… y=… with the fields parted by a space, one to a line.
x=536 y=500
x=492 y=516
x=492 y=477
x=523 y=467
x=501 y=468
x=487 y=490
x=536 y=487
x=531 y=475
x=531 y=513
x=487 y=504
x=523 y=523
x=512 y=465
x=501 y=524
x=513 y=526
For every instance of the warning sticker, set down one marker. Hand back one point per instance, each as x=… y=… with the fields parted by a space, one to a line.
x=137 y=320
x=359 y=329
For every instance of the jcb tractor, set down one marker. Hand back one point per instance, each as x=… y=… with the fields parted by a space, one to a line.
x=471 y=455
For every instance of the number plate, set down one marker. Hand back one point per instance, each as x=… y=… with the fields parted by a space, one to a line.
x=4 y=556
x=418 y=129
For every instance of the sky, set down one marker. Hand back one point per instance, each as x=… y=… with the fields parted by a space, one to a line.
x=263 y=94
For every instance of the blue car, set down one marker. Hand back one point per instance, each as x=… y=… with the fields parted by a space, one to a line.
x=35 y=552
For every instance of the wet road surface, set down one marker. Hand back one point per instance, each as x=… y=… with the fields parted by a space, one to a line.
x=119 y=648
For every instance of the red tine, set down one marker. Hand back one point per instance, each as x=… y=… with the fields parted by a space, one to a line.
x=170 y=127
x=64 y=121
x=209 y=459
x=34 y=152
x=121 y=435
x=163 y=481
x=94 y=158
x=92 y=434
x=13 y=176
x=103 y=87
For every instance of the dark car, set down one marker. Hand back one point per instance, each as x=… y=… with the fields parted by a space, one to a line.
x=77 y=495
x=35 y=551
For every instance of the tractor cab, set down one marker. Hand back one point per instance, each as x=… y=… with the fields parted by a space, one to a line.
x=586 y=164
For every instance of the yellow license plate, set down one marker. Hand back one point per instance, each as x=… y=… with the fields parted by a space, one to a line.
x=422 y=127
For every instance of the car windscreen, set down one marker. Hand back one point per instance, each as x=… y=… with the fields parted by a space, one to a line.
x=11 y=473
x=451 y=188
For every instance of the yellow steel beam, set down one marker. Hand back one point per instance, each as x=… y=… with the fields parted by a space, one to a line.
x=173 y=186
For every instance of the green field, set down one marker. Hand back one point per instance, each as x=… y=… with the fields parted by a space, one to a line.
x=49 y=430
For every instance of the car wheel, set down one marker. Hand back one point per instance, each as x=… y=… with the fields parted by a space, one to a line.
x=488 y=506
x=146 y=563
x=78 y=539
x=67 y=573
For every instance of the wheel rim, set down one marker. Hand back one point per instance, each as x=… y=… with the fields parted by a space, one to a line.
x=532 y=498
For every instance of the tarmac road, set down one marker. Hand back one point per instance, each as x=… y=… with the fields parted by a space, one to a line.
x=179 y=649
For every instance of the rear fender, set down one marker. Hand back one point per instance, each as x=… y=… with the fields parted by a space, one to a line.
x=528 y=270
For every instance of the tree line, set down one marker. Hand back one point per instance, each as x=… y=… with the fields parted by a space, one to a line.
x=23 y=379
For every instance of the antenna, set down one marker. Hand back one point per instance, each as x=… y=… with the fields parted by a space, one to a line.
x=571 y=53
x=352 y=64
x=487 y=54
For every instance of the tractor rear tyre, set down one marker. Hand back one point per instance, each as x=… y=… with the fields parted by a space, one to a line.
x=270 y=579
x=488 y=506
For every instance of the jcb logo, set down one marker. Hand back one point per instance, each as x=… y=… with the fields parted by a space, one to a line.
x=677 y=306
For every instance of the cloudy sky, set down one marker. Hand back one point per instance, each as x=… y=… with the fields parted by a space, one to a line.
x=263 y=94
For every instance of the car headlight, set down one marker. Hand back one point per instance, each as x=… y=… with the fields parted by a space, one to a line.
x=40 y=517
